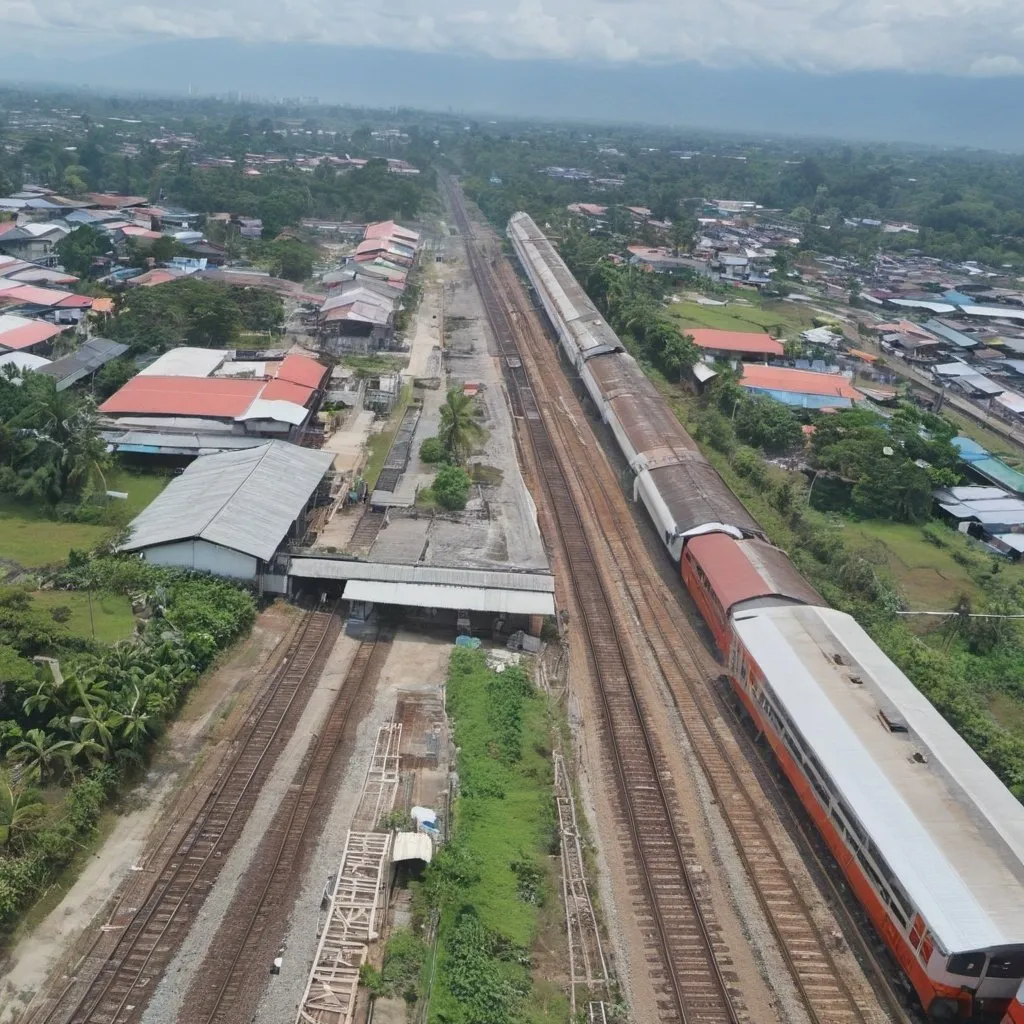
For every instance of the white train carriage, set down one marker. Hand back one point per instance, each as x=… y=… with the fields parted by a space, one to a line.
x=581 y=329
x=930 y=840
x=679 y=488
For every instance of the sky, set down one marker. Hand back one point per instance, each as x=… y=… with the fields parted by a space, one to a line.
x=953 y=37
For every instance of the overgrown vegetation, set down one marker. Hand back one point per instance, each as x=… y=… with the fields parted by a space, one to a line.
x=490 y=880
x=77 y=728
x=190 y=312
x=50 y=446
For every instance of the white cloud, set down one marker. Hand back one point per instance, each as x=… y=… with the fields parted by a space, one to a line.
x=980 y=37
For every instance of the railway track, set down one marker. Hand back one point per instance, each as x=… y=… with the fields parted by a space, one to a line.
x=692 y=954
x=115 y=980
x=235 y=969
x=687 y=668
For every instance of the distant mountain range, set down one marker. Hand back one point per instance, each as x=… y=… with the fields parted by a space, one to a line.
x=882 y=106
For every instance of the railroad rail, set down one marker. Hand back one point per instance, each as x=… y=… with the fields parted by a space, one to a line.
x=235 y=967
x=115 y=980
x=687 y=668
x=686 y=938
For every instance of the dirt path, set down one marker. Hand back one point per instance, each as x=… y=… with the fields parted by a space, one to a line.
x=194 y=741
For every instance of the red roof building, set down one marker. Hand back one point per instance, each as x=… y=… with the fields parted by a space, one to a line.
x=800 y=387
x=301 y=370
x=213 y=397
x=19 y=334
x=741 y=343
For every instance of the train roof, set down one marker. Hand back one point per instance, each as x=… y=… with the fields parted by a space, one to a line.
x=580 y=314
x=950 y=831
x=747 y=569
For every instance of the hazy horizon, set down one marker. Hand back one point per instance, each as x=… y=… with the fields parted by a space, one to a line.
x=883 y=106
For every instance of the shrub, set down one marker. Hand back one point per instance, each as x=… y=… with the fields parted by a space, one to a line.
x=432 y=451
x=451 y=487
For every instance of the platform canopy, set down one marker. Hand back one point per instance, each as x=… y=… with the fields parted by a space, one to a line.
x=433 y=595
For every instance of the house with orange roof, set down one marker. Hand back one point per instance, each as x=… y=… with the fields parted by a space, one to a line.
x=803 y=389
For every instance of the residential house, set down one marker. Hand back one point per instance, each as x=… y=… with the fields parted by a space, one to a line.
x=730 y=345
x=36 y=242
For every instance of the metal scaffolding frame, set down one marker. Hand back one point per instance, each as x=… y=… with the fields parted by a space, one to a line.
x=380 y=787
x=330 y=994
x=588 y=968
x=357 y=901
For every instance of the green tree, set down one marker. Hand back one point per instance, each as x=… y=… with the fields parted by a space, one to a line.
x=451 y=487
x=892 y=487
x=458 y=430
x=292 y=260
x=767 y=424
x=77 y=250
x=432 y=451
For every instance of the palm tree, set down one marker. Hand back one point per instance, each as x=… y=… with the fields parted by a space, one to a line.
x=21 y=807
x=39 y=752
x=458 y=428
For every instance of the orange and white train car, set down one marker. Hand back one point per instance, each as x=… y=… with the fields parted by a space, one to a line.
x=929 y=839
x=1015 y=1014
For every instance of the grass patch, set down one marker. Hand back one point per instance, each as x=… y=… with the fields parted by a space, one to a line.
x=736 y=316
x=141 y=488
x=372 y=365
x=929 y=577
x=31 y=539
x=378 y=445
x=111 y=613
x=491 y=882
x=486 y=476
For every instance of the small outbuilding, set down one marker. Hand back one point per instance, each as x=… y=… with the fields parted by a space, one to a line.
x=231 y=513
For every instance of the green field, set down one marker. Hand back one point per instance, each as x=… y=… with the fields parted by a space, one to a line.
x=929 y=576
x=110 y=618
x=787 y=317
x=30 y=538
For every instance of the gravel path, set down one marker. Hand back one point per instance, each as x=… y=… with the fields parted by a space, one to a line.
x=413 y=663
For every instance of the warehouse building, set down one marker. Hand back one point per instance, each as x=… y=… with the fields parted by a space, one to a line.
x=232 y=513
x=192 y=400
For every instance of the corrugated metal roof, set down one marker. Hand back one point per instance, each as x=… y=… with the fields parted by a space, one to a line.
x=346 y=569
x=91 y=355
x=279 y=410
x=245 y=500
x=736 y=341
x=412 y=846
x=780 y=378
x=17 y=332
x=185 y=362
x=951 y=832
x=22 y=360
x=431 y=595
x=184 y=396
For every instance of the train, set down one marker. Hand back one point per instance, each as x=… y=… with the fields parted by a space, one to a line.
x=928 y=838
x=1015 y=1014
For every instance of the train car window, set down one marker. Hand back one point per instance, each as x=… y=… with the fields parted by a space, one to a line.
x=967 y=965
x=1006 y=965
